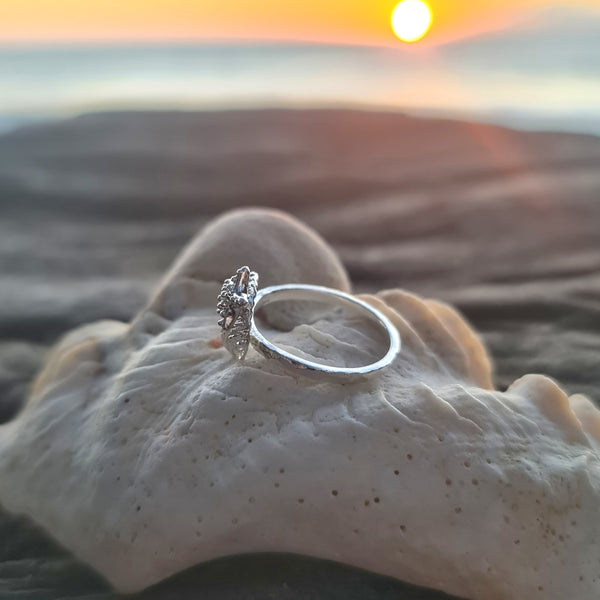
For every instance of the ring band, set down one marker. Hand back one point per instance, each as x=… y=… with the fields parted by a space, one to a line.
x=240 y=297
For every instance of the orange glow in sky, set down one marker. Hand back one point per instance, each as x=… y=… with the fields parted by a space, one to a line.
x=336 y=21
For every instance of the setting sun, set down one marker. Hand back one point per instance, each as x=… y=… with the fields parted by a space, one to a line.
x=411 y=20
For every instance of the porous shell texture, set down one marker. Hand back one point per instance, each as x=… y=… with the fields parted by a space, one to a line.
x=145 y=448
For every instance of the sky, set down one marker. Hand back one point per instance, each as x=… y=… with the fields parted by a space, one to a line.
x=327 y=21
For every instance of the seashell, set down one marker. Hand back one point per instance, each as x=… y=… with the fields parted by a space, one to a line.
x=145 y=448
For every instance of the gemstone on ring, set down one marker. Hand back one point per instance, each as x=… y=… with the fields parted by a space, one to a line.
x=235 y=304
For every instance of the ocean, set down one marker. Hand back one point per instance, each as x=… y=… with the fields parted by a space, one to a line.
x=529 y=79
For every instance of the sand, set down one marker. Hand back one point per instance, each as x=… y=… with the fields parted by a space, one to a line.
x=504 y=224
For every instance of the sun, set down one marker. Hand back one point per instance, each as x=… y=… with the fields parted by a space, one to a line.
x=411 y=20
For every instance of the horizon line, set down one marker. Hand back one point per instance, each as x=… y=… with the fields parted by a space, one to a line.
x=132 y=42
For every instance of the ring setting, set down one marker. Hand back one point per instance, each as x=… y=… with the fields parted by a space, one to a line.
x=240 y=297
x=235 y=305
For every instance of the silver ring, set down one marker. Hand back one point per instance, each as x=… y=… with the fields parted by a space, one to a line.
x=240 y=297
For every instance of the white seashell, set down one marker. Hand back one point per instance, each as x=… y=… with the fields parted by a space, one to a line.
x=145 y=448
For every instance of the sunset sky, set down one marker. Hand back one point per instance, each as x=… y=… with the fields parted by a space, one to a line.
x=345 y=21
